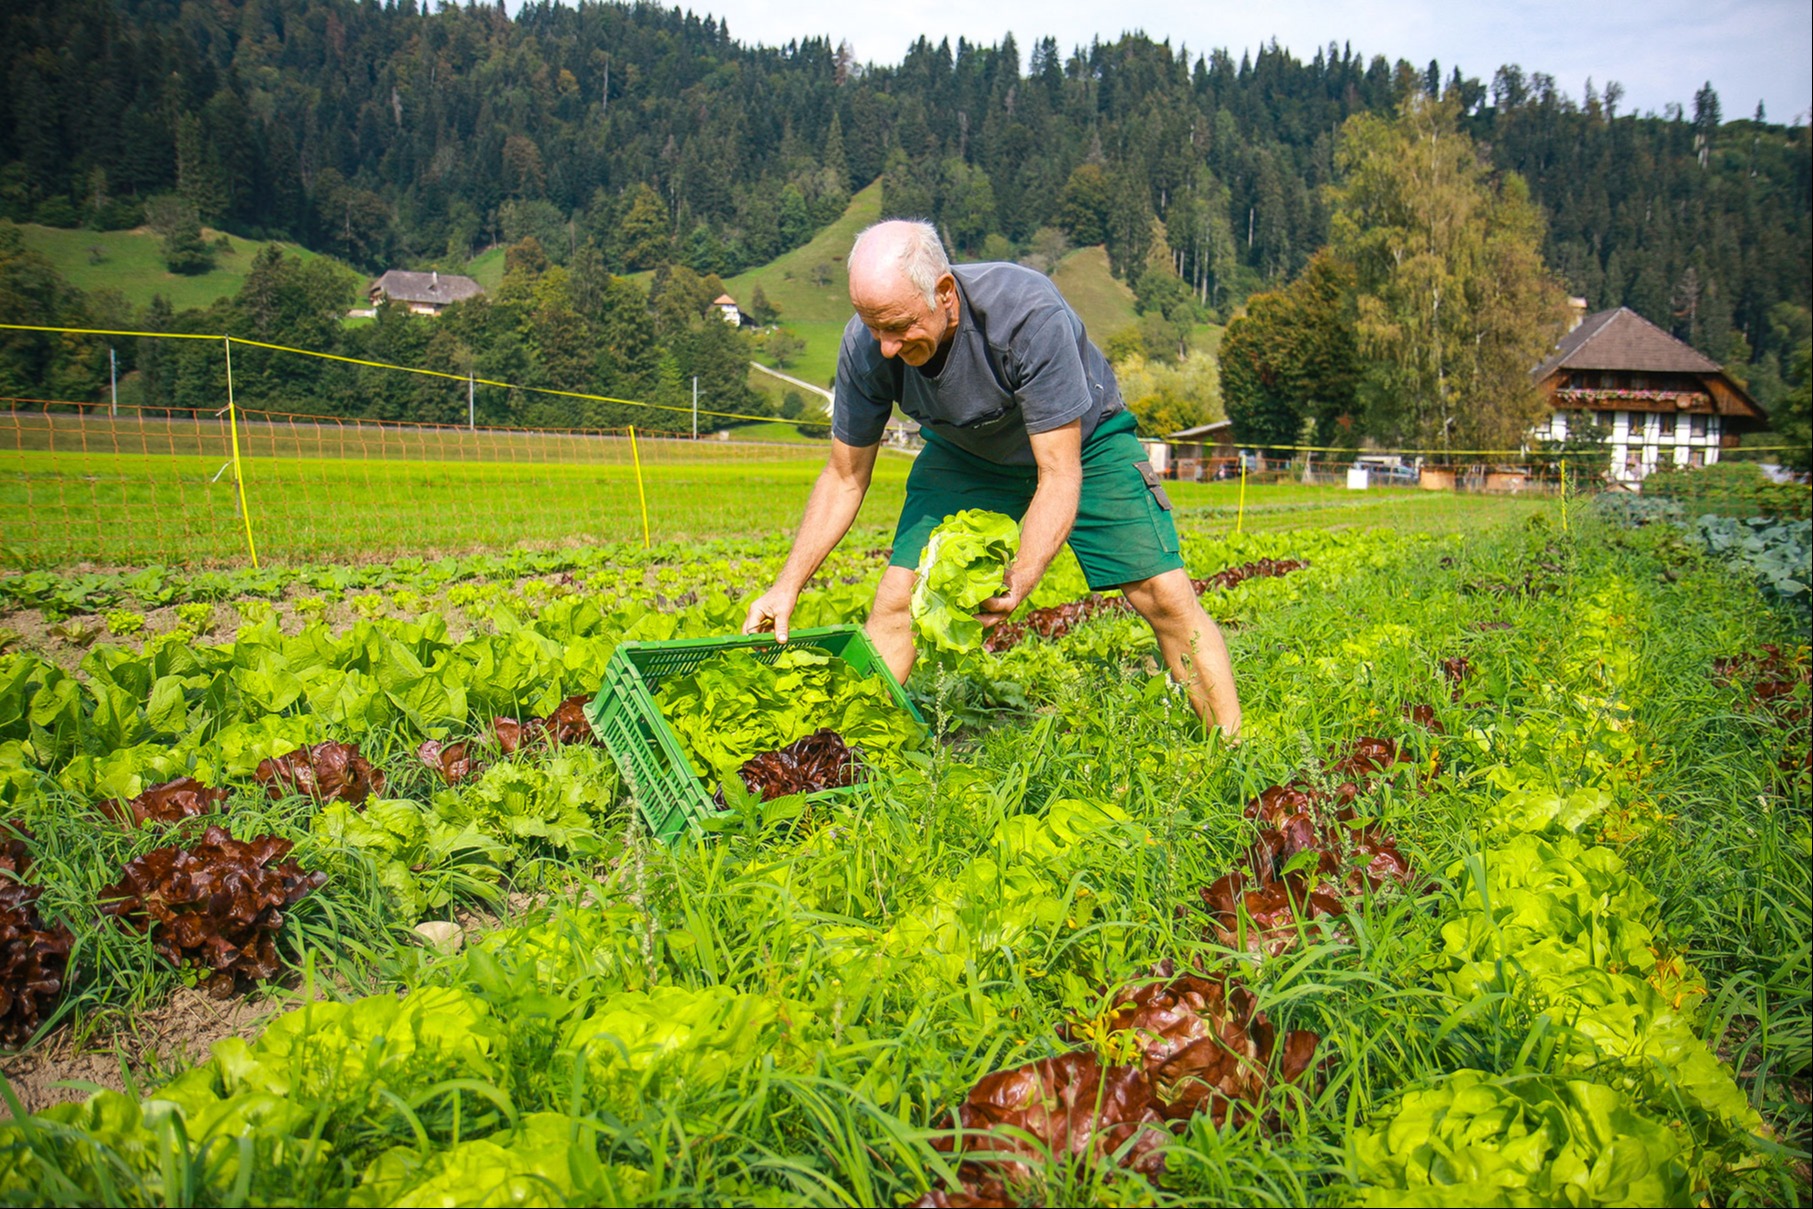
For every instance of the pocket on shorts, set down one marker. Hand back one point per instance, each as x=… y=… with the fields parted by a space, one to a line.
x=1164 y=529
x=1158 y=509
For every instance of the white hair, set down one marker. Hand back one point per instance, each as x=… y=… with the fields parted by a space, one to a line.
x=922 y=260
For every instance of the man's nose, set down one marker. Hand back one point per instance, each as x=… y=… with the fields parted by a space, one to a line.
x=890 y=346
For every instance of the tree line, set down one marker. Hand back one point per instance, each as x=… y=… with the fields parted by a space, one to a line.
x=393 y=135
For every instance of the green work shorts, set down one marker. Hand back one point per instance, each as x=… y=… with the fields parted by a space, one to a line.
x=1123 y=531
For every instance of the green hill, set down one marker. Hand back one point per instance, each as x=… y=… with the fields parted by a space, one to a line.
x=487 y=268
x=132 y=263
x=811 y=290
x=1103 y=300
x=809 y=284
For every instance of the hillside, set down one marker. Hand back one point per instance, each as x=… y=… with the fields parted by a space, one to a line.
x=810 y=289
x=487 y=268
x=389 y=134
x=132 y=263
x=809 y=284
x=1104 y=302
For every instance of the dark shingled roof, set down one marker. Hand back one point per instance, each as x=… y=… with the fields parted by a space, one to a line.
x=400 y=285
x=1623 y=339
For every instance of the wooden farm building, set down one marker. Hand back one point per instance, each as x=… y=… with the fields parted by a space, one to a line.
x=1664 y=402
x=423 y=293
x=1199 y=453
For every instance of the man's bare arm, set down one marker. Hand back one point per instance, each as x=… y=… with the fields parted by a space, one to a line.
x=1059 y=455
x=830 y=512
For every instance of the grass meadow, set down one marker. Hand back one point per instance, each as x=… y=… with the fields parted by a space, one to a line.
x=126 y=491
x=132 y=262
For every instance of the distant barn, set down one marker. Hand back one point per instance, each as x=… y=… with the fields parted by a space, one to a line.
x=423 y=293
x=1664 y=402
x=1199 y=453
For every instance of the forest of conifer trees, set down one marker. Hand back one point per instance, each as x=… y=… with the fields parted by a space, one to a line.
x=636 y=137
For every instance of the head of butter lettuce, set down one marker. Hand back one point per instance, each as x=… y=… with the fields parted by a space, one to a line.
x=965 y=562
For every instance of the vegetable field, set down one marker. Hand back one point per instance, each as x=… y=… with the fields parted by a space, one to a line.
x=1502 y=898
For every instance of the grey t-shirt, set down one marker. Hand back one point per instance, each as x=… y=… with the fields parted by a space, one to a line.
x=1020 y=364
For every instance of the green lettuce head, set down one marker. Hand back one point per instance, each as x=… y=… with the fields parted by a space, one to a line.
x=965 y=562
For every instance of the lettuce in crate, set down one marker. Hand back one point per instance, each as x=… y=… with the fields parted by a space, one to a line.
x=733 y=706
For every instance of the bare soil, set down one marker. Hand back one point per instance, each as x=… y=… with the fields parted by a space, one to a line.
x=146 y=1048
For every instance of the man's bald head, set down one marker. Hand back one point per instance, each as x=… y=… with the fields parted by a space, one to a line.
x=903 y=290
x=892 y=256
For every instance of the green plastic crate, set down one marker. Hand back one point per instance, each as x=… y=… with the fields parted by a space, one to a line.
x=648 y=752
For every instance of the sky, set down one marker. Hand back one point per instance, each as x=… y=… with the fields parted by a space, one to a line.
x=1660 y=50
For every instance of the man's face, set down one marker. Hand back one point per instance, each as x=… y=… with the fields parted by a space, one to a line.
x=904 y=325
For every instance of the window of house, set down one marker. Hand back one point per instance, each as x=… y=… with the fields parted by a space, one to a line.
x=1696 y=426
x=1605 y=418
x=1696 y=458
x=1639 y=424
x=1608 y=381
x=1668 y=427
x=1639 y=382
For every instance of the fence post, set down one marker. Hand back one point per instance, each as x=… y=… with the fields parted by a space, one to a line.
x=641 y=496
x=1564 y=493
x=239 y=478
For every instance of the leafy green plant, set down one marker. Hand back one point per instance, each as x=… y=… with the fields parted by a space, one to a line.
x=254 y=611
x=965 y=562
x=422 y=861
x=1776 y=552
x=198 y=615
x=122 y=623
x=1478 y=1139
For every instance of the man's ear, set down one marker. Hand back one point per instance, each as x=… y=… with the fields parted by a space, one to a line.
x=946 y=290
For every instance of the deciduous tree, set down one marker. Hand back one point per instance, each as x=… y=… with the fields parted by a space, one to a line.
x=1288 y=366
x=1453 y=305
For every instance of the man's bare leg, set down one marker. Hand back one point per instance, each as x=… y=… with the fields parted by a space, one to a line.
x=1192 y=646
x=890 y=625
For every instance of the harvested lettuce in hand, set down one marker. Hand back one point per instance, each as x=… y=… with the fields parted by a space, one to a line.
x=965 y=562
x=734 y=706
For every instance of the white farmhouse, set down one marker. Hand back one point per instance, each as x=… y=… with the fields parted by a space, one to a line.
x=1664 y=402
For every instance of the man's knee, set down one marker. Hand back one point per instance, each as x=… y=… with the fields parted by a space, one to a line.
x=1164 y=600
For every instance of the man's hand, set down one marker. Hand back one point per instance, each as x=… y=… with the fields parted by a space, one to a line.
x=772 y=610
x=997 y=609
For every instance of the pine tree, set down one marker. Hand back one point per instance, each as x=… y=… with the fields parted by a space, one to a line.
x=644 y=239
x=837 y=163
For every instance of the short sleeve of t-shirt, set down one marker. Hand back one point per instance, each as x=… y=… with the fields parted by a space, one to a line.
x=1048 y=374
x=867 y=385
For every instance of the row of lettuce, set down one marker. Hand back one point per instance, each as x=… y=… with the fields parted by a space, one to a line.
x=63 y=593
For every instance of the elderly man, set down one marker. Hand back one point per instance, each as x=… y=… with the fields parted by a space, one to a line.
x=1020 y=414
